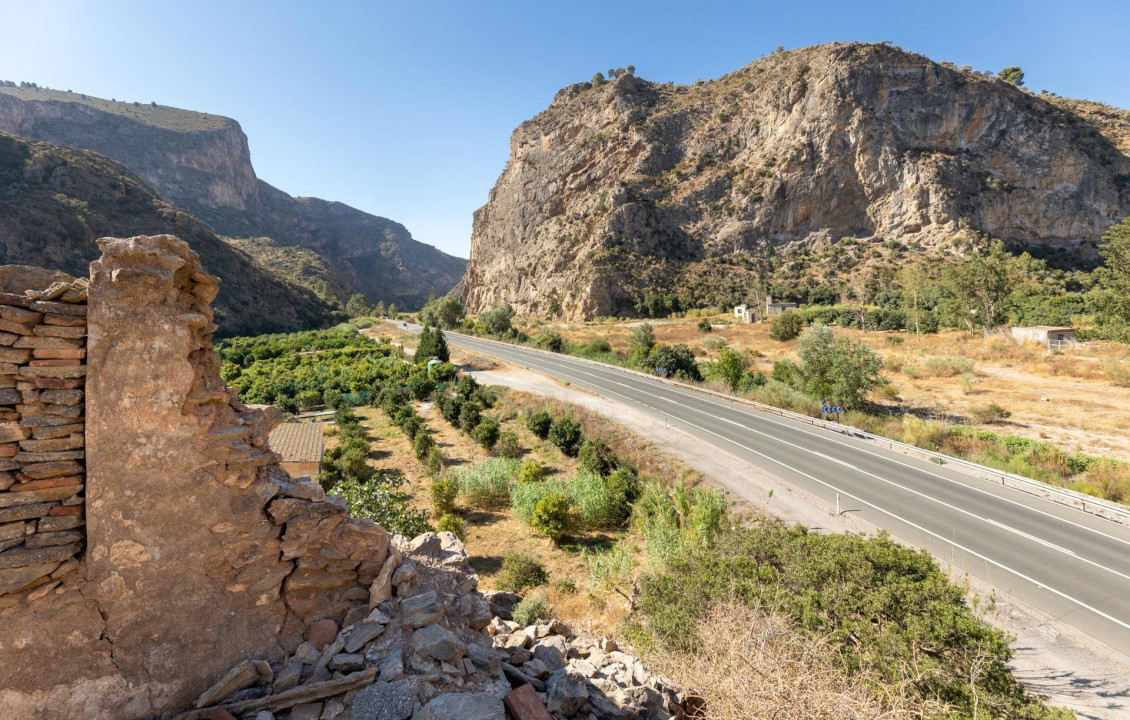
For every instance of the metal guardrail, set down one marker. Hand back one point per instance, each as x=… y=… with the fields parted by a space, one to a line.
x=1080 y=501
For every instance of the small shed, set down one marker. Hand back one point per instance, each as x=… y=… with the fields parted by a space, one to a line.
x=1049 y=335
x=301 y=445
x=776 y=308
x=742 y=313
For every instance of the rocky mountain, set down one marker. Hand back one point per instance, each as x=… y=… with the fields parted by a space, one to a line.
x=801 y=167
x=55 y=202
x=201 y=163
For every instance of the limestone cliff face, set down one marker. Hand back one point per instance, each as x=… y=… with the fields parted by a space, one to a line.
x=201 y=164
x=624 y=189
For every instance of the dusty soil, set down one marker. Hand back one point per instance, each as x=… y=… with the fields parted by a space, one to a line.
x=1070 y=399
x=1051 y=658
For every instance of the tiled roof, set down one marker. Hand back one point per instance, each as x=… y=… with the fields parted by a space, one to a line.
x=298 y=442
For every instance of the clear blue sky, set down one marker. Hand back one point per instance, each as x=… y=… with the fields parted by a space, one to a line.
x=405 y=109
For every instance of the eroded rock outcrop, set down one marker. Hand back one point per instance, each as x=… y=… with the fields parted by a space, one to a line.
x=637 y=187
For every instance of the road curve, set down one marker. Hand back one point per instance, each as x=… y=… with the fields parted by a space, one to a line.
x=1070 y=564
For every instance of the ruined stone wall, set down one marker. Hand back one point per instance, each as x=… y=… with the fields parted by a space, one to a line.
x=201 y=551
x=42 y=474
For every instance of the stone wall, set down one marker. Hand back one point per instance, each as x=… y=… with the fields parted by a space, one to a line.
x=201 y=551
x=42 y=455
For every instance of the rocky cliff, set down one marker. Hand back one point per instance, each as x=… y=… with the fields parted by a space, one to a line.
x=811 y=161
x=201 y=164
x=55 y=202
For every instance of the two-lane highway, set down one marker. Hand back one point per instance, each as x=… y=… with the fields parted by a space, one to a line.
x=1070 y=564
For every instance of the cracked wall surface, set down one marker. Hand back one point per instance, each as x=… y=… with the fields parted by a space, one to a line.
x=201 y=550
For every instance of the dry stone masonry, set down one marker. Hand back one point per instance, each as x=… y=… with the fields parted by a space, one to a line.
x=42 y=447
x=214 y=585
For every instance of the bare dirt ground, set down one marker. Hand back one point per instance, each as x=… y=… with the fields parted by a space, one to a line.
x=1071 y=399
x=1051 y=659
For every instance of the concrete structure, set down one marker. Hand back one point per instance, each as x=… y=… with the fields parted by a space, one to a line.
x=1047 y=334
x=742 y=313
x=776 y=308
x=301 y=446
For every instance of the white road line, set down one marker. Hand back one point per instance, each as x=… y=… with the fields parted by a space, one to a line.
x=830 y=438
x=916 y=526
x=886 y=512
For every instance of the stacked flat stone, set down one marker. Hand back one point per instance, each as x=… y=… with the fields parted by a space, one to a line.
x=42 y=445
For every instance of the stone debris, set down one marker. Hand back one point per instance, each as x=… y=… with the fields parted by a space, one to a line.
x=42 y=445
x=431 y=656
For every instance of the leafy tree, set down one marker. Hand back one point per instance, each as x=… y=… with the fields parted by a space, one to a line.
x=976 y=292
x=631 y=69
x=358 y=306
x=674 y=360
x=539 y=423
x=596 y=456
x=597 y=81
x=837 y=368
x=551 y=516
x=498 y=321
x=566 y=435
x=1111 y=297
x=421 y=386
x=1013 y=75
x=444 y=312
x=432 y=344
x=486 y=433
x=915 y=282
x=470 y=415
x=729 y=367
x=641 y=341
x=786 y=326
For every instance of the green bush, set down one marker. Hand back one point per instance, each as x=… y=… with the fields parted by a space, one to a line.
x=532 y=609
x=704 y=325
x=566 y=435
x=508 y=445
x=451 y=407
x=435 y=462
x=524 y=497
x=551 y=341
x=622 y=489
x=520 y=572
x=589 y=495
x=610 y=568
x=486 y=433
x=444 y=372
x=422 y=445
x=487 y=484
x=470 y=415
x=596 y=456
x=381 y=500
x=551 y=516
x=989 y=414
x=444 y=490
x=539 y=423
x=452 y=524
x=786 y=326
x=531 y=472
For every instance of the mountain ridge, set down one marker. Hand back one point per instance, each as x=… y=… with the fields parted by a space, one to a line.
x=829 y=153
x=202 y=164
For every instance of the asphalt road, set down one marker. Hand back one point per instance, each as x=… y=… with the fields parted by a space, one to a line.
x=1067 y=563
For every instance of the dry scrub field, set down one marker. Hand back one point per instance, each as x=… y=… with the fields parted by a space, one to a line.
x=1078 y=400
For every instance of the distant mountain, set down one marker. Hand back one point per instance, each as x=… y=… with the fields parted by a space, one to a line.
x=803 y=167
x=201 y=163
x=55 y=202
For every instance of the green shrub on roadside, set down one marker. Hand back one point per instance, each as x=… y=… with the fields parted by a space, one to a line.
x=532 y=472
x=452 y=524
x=551 y=516
x=435 y=462
x=520 y=572
x=532 y=609
x=622 y=488
x=508 y=445
x=470 y=415
x=596 y=456
x=539 y=423
x=422 y=445
x=486 y=433
x=566 y=435
x=444 y=490
x=786 y=326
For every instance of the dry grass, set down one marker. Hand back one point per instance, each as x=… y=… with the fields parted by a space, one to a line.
x=1075 y=399
x=754 y=664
